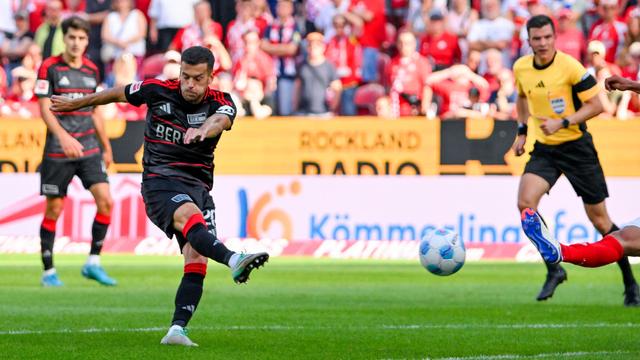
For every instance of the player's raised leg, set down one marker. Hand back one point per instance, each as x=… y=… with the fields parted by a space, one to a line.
x=599 y=217
x=54 y=206
x=532 y=188
x=92 y=268
x=189 y=221
x=187 y=297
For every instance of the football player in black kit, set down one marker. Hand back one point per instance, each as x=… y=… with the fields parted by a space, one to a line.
x=184 y=123
x=73 y=147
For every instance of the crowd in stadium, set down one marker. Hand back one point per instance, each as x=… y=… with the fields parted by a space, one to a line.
x=432 y=58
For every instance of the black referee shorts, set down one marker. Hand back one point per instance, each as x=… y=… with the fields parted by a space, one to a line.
x=55 y=175
x=577 y=160
x=163 y=196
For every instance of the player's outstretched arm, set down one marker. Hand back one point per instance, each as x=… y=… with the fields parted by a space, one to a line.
x=213 y=127
x=64 y=104
x=617 y=82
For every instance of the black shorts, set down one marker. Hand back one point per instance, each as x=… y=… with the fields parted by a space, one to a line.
x=577 y=160
x=163 y=196
x=55 y=175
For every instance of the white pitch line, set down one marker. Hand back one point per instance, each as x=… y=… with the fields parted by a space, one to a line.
x=555 y=355
x=277 y=327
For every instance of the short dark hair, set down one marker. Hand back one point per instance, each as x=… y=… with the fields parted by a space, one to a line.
x=197 y=55
x=539 y=21
x=75 y=22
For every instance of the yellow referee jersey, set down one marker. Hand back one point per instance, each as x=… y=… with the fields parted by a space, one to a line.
x=555 y=90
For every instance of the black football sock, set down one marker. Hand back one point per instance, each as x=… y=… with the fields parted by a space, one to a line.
x=553 y=267
x=623 y=264
x=98 y=233
x=189 y=293
x=47 y=236
x=195 y=231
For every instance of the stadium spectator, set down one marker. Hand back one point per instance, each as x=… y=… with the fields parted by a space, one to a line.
x=15 y=47
x=22 y=101
x=459 y=21
x=7 y=12
x=503 y=101
x=96 y=13
x=49 y=34
x=125 y=68
x=473 y=61
x=262 y=11
x=33 y=58
x=36 y=9
x=254 y=77
x=596 y=59
x=369 y=16
x=494 y=68
x=123 y=31
x=3 y=84
x=203 y=27
x=609 y=30
x=345 y=53
x=167 y=19
x=569 y=38
x=223 y=59
x=281 y=41
x=319 y=82
x=244 y=22
x=407 y=74
x=438 y=44
x=170 y=69
x=325 y=19
x=73 y=7
x=492 y=32
x=454 y=88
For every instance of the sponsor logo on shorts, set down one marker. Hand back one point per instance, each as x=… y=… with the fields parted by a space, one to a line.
x=196 y=119
x=226 y=110
x=50 y=189
x=180 y=198
x=42 y=87
x=135 y=87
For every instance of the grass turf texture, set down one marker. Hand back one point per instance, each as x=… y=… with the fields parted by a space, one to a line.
x=300 y=308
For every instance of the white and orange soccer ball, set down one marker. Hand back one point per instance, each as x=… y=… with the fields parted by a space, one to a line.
x=442 y=252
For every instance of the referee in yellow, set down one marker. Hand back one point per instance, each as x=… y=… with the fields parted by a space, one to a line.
x=558 y=95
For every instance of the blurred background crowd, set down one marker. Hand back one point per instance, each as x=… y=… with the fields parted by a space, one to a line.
x=391 y=58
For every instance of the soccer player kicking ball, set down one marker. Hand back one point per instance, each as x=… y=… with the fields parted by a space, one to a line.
x=612 y=247
x=73 y=148
x=559 y=96
x=184 y=123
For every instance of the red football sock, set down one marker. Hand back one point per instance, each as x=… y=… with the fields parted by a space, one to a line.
x=606 y=251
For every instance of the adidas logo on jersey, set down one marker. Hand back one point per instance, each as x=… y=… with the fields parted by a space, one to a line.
x=166 y=108
x=540 y=84
x=64 y=81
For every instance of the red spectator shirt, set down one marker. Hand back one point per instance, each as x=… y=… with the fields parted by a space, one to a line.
x=612 y=36
x=455 y=95
x=571 y=42
x=443 y=49
x=373 y=32
x=235 y=30
x=345 y=54
x=407 y=76
x=191 y=35
x=258 y=67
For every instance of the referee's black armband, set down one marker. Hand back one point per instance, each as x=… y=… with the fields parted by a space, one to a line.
x=522 y=129
x=587 y=82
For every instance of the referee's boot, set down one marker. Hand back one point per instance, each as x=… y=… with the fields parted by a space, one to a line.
x=556 y=275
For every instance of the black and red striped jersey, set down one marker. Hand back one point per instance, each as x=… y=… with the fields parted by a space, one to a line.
x=169 y=115
x=56 y=77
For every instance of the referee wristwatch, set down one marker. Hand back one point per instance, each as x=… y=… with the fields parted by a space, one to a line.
x=565 y=123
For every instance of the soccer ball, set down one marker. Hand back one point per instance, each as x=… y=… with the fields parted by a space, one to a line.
x=442 y=252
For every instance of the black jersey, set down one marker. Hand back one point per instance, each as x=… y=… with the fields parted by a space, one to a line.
x=56 y=77
x=168 y=117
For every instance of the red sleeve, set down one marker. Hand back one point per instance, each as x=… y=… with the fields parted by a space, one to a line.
x=217 y=30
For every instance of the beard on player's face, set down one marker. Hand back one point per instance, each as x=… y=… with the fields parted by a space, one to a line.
x=194 y=81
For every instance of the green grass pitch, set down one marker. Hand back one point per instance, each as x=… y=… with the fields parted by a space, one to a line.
x=316 y=309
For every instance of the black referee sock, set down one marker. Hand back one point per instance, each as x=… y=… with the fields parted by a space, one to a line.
x=99 y=232
x=623 y=264
x=195 y=231
x=47 y=236
x=189 y=294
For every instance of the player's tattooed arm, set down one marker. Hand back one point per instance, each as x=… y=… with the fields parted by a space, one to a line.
x=212 y=127
x=63 y=104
